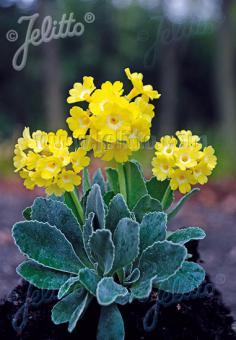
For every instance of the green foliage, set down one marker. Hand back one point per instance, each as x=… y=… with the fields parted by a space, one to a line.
x=118 y=255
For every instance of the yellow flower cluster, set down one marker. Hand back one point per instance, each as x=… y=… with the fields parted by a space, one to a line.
x=183 y=160
x=113 y=124
x=45 y=160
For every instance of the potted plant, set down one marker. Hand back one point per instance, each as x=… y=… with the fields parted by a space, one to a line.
x=106 y=251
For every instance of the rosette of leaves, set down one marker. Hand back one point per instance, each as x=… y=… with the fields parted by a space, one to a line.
x=117 y=256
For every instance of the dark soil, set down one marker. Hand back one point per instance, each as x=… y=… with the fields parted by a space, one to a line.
x=26 y=314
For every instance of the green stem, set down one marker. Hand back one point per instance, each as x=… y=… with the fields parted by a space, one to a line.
x=79 y=209
x=165 y=197
x=122 y=182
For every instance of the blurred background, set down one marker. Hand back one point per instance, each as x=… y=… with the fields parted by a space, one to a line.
x=185 y=48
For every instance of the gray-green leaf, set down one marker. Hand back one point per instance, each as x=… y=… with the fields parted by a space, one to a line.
x=111 y=325
x=58 y=214
x=187 y=278
x=126 y=241
x=162 y=259
x=89 y=280
x=99 y=179
x=145 y=205
x=46 y=245
x=95 y=204
x=116 y=211
x=152 y=229
x=102 y=249
x=68 y=286
x=76 y=315
x=185 y=235
x=64 y=309
x=41 y=277
x=108 y=290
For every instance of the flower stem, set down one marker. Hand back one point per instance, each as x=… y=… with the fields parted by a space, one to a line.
x=78 y=207
x=122 y=182
x=165 y=197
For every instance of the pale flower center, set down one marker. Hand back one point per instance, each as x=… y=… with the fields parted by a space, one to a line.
x=114 y=122
x=84 y=92
x=165 y=167
x=181 y=179
x=168 y=150
x=83 y=122
x=185 y=158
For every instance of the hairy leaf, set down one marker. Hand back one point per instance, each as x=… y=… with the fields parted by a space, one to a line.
x=58 y=214
x=99 y=179
x=111 y=325
x=141 y=290
x=89 y=280
x=108 y=290
x=102 y=249
x=185 y=235
x=95 y=204
x=41 y=277
x=145 y=205
x=87 y=232
x=64 y=309
x=46 y=245
x=68 y=286
x=162 y=259
x=107 y=197
x=126 y=241
x=187 y=278
x=76 y=315
x=116 y=211
x=152 y=229
x=133 y=277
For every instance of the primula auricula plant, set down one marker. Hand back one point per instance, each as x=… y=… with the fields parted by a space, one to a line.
x=110 y=243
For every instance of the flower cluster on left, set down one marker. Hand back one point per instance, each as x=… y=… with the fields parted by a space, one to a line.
x=44 y=159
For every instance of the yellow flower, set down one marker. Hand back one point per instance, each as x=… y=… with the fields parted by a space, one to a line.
x=167 y=146
x=146 y=109
x=19 y=159
x=182 y=180
x=114 y=124
x=187 y=139
x=140 y=133
x=162 y=167
x=209 y=157
x=120 y=152
x=49 y=167
x=201 y=173
x=81 y=92
x=184 y=163
x=26 y=141
x=138 y=87
x=79 y=122
x=186 y=157
x=79 y=160
x=47 y=162
x=68 y=180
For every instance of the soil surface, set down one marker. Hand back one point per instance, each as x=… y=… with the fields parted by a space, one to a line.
x=214 y=209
